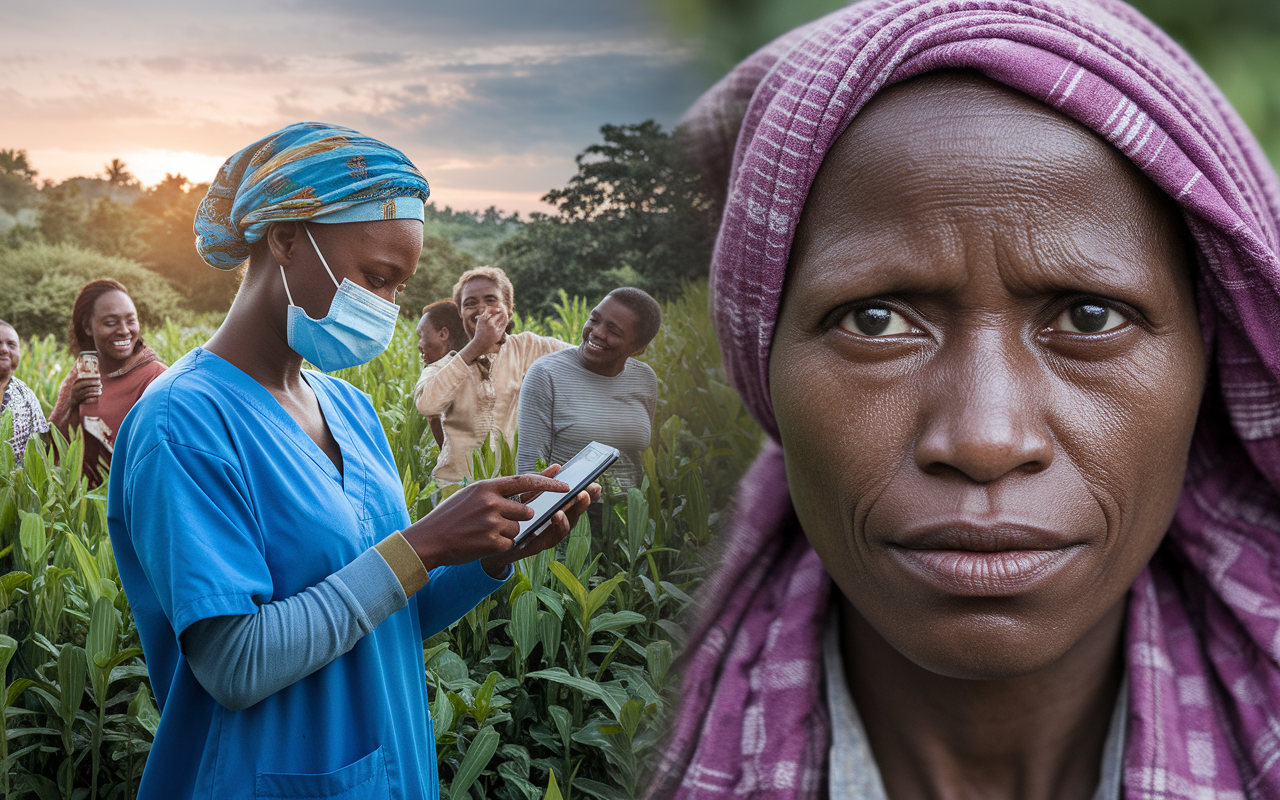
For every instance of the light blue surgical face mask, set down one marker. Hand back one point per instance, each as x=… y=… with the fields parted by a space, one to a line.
x=357 y=328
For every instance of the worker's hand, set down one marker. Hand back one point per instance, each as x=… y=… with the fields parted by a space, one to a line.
x=477 y=520
x=491 y=330
x=86 y=387
x=561 y=524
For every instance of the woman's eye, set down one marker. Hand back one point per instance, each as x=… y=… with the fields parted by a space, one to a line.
x=1089 y=317
x=876 y=321
x=377 y=281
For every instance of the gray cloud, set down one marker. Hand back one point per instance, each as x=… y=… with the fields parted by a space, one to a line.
x=540 y=105
x=492 y=95
x=496 y=20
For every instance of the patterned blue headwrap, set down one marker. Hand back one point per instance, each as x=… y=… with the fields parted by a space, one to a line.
x=308 y=171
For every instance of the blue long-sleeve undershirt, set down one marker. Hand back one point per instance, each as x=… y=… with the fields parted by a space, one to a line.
x=239 y=660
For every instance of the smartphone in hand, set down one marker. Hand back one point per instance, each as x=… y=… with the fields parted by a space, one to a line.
x=581 y=470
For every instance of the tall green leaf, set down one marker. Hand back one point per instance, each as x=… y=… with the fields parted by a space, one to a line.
x=73 y=670
x=473 y=763
x=553 y=791
x=523 y=627
x=104 y=627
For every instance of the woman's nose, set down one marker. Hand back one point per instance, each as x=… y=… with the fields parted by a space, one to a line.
x=986 y=414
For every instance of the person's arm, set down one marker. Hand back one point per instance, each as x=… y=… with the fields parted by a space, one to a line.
x=41 y=424
x=651 y=396
x=453 y=591
x=490 y=333
x=534 y=418
x=435 y=391
x=66 y=410
x=242 y=659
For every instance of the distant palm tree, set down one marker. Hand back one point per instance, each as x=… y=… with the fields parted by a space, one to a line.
x=117 y=174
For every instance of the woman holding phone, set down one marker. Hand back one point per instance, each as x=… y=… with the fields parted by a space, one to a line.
x=281 y=591
x=113 y=367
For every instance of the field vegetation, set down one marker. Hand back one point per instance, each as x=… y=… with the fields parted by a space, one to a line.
x=566 y=669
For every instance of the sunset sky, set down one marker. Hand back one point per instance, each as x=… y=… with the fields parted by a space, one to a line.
x=490 y=98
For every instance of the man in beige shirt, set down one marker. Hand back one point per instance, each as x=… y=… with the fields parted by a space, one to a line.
x=477 y=391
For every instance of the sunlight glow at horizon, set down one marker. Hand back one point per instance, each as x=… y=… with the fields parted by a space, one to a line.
x=493 y=101
x=150 y=166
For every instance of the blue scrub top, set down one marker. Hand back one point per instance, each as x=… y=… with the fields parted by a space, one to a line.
x=219 y=502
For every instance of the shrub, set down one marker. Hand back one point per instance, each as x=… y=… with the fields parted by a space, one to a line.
x=41 y=282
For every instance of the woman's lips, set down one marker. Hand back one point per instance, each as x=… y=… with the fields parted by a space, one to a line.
x=976 y=574
x=972 y=561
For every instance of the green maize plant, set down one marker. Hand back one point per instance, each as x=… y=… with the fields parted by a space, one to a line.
x=78 y=713
x=555 y=686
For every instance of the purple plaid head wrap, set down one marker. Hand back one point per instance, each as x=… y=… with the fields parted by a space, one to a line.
x=1203 y=633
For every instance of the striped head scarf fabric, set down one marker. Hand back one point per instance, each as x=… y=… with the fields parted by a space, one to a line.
x=1203 y=633
x=309 y=171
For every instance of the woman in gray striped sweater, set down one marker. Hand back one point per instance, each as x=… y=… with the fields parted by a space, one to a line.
x=596 y=391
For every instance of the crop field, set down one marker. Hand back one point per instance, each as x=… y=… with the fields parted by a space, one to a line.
x=557 y=683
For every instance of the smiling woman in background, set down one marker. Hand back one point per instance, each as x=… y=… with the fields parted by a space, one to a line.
x=103 y=320
x=477 y=391
x=1000 y=280
x=595 y=392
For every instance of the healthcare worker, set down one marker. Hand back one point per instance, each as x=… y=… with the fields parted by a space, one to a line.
x=257 y=515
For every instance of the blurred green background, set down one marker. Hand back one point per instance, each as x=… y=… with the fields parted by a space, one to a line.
x=1236 y=41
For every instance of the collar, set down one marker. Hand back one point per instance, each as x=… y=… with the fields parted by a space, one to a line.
x=853 y=771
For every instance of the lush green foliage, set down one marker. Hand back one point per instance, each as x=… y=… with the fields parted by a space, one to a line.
x=476 y=235
x=635 y=214
x=41 y=282
x=17 y=181
x=562 y=671
x=114 y=215
x=439 y=266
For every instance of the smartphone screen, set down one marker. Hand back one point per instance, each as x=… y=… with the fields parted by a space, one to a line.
x=581 y=470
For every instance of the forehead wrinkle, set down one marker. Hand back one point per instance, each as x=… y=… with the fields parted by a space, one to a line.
x=960 y=127
x=875 y=259
x=929 y=173
x=916 y=174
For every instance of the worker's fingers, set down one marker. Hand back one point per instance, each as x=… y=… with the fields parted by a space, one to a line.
x=511 y=485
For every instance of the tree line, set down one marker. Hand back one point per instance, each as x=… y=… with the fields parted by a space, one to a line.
x=634 y=214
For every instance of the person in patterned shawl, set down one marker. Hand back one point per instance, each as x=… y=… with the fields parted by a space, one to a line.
x=1000 y=281
x=16 y=398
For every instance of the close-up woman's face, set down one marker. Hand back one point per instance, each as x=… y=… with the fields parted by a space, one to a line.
x=114 y=325
x=986 y=372
x=610 y=335
x=478 y=296
x=379 y=256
